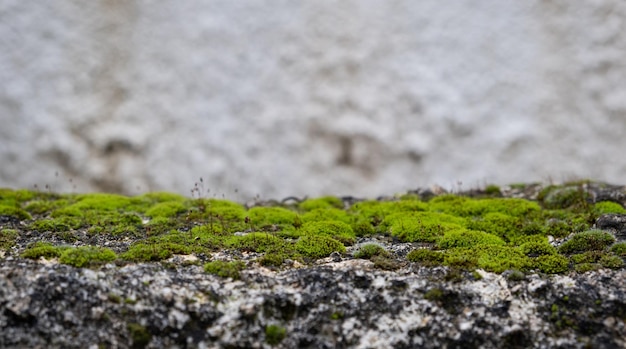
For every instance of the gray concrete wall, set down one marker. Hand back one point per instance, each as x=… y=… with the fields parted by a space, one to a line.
x=309 y=97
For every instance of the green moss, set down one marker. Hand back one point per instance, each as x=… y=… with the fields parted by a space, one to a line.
x=42 y=207
x=318 y=246
x=166 y=209
x=57 y=224
x=465 y=207
x=154 y=251
x=376 y=211
x=426 y=257
x=619 y=249
x=610 y=261
x=467 y=238
x=7 y=238
x=272 y=259
x=587 y=257
x=537 y=248
x=42 y=249
x=422 y=226
x=497 y=259
x=496 y=223
x=139 y=335
x=14 y=211
x=274 y=334
x=370 y=250
x=337 y=230
x=256 y=242
x=588 y=240
x=270 y=217
x=326 y=214
x=224 y=269
x=494 y=258
x=434 y=295
x=605 y=207
x=324 y=202
x=85 y=256
x=385 y=262
x=566 y=196
x=551 y=263
x=493 y=190
x=585 y=267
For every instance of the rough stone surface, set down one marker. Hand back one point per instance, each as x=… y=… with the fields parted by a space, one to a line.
x=359 y=97
x=343 y=304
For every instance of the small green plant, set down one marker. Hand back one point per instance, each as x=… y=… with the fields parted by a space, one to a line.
x=7 y=238
x=324 y=202
x=16 y=212
x=370 y=250
x=619 y=249
x=318 y=246
x=467 y=238
x=139 y=335
x=87 y=256
x=552 y=263
x=275 y=334
x=337 y=230
x=42 y=249
x=588 y=240
x=426 y=257
x=605 y=207
x=434 y=294
x=224 y=269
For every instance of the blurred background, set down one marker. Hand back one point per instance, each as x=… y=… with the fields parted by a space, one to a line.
x=278 y=98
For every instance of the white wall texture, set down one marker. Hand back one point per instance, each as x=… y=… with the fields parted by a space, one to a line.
x=277 y=98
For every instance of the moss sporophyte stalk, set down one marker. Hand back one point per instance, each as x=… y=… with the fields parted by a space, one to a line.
x=465 y=232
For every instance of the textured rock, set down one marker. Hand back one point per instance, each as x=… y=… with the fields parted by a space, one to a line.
x=361 y=97
x=336 y=305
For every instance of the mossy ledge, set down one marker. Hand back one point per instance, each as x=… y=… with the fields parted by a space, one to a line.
x=546 y=229
x=162 y=270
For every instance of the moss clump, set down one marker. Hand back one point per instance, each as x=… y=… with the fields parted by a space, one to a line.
x=155 y=250
x=318 y=246
x=272 y=218
x=42 y=249
x=337 y=230
x=467 y=238
x=42 y=207
x=56 y=224
x=422 y=226
x=16 y=212
x=324 y=202
x=606 y=207
x=139 y=335
x=611 y=261
x=537 y=248
x=272 y=259
x=166 y=209
x=326 y=214
x=87 y=256
x=586 y=241
x=493 y=190
x=585 y=267
x=426 y=257
x=619 y=249
x=225 y=269
x=368 y=251
x=274 y=334
x=434 y=295
x=494 y=258
x=503 y=225
x=561 y=197
x=7 y=238
x=257 y=242
x=552 y=263
x=375 y=212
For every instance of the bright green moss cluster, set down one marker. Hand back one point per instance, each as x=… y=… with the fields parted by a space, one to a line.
x=485 y=231
x=85 y=256
x=318 y=246
x=274 y=334
x=224 y=269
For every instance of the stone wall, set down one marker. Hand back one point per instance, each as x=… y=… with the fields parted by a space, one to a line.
x=309 y=97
